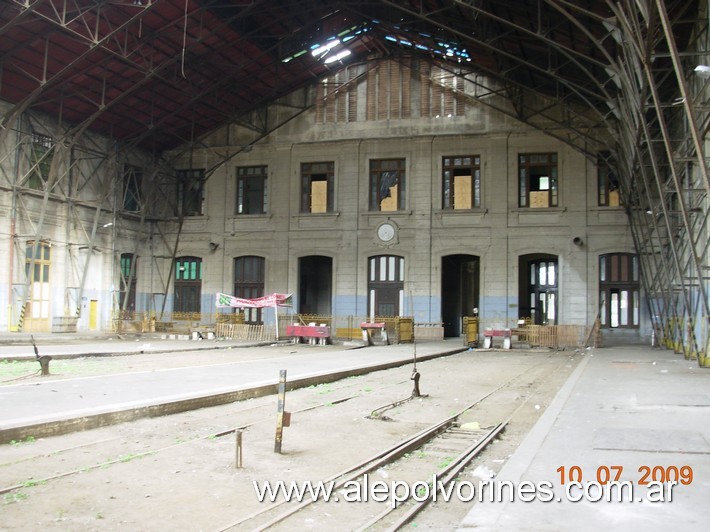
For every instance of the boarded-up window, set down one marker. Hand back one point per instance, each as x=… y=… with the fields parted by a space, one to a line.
x=317 y=187
x=319 y=195
x=462 y=192
x=461 y=182
x=537 y=178
x=390 y=202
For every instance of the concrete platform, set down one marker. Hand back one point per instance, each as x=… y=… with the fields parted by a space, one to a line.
x=633 y=409
x=18 y=346
x=55 y=407
x=641 y=409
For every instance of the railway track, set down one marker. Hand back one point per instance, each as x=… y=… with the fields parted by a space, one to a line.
x=405 y=499
x=253 y=412
x=411 y=484
x=438 y=453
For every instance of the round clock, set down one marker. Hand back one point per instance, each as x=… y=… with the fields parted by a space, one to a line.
x=386 y=232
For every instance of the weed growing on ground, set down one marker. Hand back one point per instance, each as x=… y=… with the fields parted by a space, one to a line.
x=16 y=496
x=28 y=439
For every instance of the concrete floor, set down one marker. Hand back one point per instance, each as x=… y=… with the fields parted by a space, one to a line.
x=635 y=410
x=51 y=407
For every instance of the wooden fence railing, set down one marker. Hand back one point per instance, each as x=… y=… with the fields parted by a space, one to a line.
x=554 y=336
x=244 y=331
x=400 y=329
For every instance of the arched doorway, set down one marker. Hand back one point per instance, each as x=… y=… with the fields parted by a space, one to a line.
x=385 y=285
x=619 y=289
x=459 y=290
x=315 y=285
x=538 y=288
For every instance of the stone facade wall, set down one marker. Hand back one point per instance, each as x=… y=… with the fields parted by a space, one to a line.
x=498 y=232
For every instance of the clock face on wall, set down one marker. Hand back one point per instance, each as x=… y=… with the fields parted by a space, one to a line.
x=386 y=232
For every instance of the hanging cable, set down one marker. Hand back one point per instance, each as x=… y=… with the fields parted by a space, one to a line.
x=184 y=43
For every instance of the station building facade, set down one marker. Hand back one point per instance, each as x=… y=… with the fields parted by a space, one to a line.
x=391 y=195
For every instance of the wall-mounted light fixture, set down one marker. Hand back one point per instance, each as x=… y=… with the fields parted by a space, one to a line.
x=213 y=246
x=577 y=241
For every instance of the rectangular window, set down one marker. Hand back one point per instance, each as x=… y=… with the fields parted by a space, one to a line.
x=249 y=273
x=190 y=189
x=127 y=296
x=387 y=185
x=251 y=190
x=537 y=177
x=317 y=182
x=188 y=284
x=608 y=182
x=41 y=160
x=461 y=182
x=132 y=183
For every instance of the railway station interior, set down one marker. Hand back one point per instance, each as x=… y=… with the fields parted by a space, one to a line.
x=458 y=172
x=438 y=160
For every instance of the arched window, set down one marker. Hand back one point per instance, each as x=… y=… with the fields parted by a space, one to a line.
x=619 y=289
x=385 y=285
x=188 y=284
x=249 y=283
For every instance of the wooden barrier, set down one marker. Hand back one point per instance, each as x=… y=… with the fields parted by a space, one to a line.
x=405 y=329
x=399 y=328
x=554 y=336
x=243 y=331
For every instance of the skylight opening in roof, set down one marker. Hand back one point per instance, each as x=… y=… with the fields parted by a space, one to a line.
x=326 y=50
x=337 y=57
x=318 y=50
x=443 y=49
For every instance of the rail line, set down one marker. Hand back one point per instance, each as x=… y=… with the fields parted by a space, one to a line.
x=447 y=430
x=267 y=402
x=445 y=433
